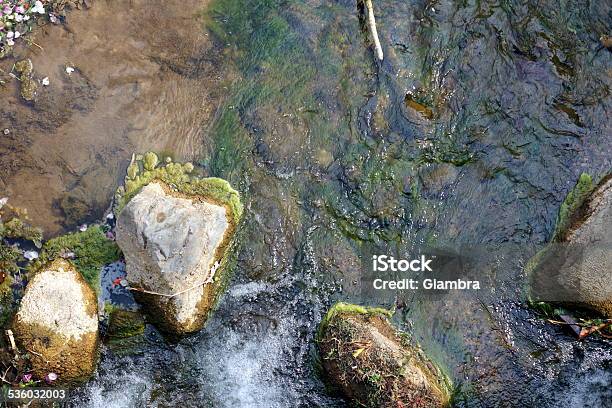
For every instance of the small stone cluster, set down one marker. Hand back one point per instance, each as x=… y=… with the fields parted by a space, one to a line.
x=176 y=232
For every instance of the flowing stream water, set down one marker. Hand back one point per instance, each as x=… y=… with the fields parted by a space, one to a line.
x=468 y=134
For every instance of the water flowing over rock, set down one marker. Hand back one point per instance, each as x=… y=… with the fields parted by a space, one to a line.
x=173 y=245
x=370 y=362
x=57 y=323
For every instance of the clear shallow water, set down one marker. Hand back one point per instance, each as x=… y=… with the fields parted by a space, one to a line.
x=507 y=104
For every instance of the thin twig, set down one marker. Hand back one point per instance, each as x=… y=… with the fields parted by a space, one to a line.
x=205 y=282
x=590 y=330
x=31 y=42
x=3 y=378
x=9 y=334
x=373 y=31
x=40 y=355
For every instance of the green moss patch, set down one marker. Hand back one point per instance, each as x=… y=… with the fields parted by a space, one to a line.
x=143 y=171
x=341 y=307
x=569 y=210
x=92 y=250
x=16 y=228
x=124 y=323
x=6 y=300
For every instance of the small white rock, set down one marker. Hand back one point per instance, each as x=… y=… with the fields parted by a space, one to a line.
x=69 y=70
x=6 y=131
x=110 y=216
x=83 y=228
x=45 y=81
x=30 y=255
x=3 y=201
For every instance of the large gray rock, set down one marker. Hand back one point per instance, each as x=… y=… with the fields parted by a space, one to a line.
x=577 y=271
x=592 y=275
x=172 y=245
x=57 y=323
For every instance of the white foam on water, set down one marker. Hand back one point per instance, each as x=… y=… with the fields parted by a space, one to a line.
x=591 y=390
x=241 y=366
x=241 y=373
x=118 y=387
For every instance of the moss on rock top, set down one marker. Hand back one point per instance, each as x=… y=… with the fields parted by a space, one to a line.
x=570 y=208
x=145 y=169
x=91 y=250
x=370 y=362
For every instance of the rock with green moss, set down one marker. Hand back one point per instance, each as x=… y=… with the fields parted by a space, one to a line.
x=90 y=250
x=370 y=362
x=570 y=211
x=124 y=323
x=176 y=232
x=57 y=323
x=575 y=270
x=16 y=228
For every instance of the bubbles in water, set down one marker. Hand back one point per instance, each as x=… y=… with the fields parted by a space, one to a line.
x=117 y=384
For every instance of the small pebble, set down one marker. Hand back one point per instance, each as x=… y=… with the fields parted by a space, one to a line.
x=30 y=255
x=83 y=228
x=69 y=70
x=49 y=378
x=45 y=81
x=6 y=131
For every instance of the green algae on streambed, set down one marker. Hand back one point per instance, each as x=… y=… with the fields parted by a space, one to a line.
x=335 y=163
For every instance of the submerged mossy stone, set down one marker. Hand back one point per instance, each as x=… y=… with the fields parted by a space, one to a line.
x=125 y=333
x=367 y=359
x=28 y=88
x=24 y=67
x=125 y=323
x=570 y=211
x=57 y=323
x=28 y=84
x=575 y=270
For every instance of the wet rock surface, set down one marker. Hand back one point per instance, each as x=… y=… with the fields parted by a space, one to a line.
x=365 y=357
x=577 y=270
x=173 y=245
x=594 y=275
x=57 y=323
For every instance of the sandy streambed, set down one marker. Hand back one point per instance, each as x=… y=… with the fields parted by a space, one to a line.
x=144 y=79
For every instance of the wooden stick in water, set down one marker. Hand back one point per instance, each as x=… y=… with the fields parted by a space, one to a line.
x=373 y=31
